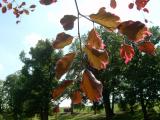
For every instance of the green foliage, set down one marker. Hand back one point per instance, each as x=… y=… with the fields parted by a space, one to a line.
x=39 y=74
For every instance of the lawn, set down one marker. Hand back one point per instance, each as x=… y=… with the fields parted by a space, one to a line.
x=100 y=116
x=88 y=114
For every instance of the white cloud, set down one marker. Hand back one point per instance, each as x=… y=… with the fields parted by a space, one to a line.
x=32 y=39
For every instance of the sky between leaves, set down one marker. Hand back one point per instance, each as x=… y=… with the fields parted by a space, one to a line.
x=44 y=23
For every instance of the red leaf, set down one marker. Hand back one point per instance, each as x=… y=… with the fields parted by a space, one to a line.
x=127 y=52
x=4 y=9
x=95 y=40
x=108 y=20
x=98 y=59
x=62 y=40
x=141 y=3
x=147 y=47
x=113 y=4
x=146 y=10
x=68 y=21
x=131 y=5
x=22 y=4
x=76 y=97
x=5 y=1
x=91 y=86
x=33 y=6
x=26 y=12
x=63 y=64
x=9 y=6
x=135 y=31
x=47 y=2
x=58 y=91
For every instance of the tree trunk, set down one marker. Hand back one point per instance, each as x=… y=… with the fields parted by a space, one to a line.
x=144 y=110
x=95 y=107
x=131 y=109
x=113 y=96
x=106 y=100
x=44 y=114
x=71 y=109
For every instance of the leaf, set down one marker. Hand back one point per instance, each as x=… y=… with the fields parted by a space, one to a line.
x=147 y=47
x=68 y=21
x=47 y=2
x=131 y=5
x=5 y=1
x=62 y=40
x=91 y=86
x=63 y=64
x=98 y=59
x=113 y=4
x=9 y=6
x=58 y=91
x=76 y=97
x=146 y=10
x=18 y=21
x=126 y=52
x=4 y=9
x=95 y=40
x=33 y=6
x=0 y=5
x=26 y=12
x=146 y=21
x=106 y=19
x=22 y=4
x=135 y=31
x=141 y=4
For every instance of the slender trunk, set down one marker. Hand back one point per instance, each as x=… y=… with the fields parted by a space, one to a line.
x=72 y=105
x=144 y=110
x=106 y=100
x=95 y=107
x=15 y=117
x=131 y=109
x=113 y=102
x=44 y=114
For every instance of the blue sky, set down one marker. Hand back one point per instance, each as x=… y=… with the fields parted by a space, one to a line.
x=44 y=23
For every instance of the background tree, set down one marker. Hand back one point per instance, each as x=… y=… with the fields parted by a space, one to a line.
x=1 y=95
x=13 y=95
x=143 y=77
x=39 y=73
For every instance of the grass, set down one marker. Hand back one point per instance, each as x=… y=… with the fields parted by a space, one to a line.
x=88 y=114
x=100 y=116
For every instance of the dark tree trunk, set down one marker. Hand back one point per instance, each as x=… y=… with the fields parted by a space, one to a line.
x=72 y=107
x=95 y=107
x=131 y=109
x=44 y=114
x=113 y=102
x=144 y=110
x=15 y=117
x=106 y=100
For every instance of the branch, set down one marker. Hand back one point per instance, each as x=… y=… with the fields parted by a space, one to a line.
x=79 y=35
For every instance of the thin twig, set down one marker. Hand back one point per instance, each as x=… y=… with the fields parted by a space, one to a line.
x=79 y=35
